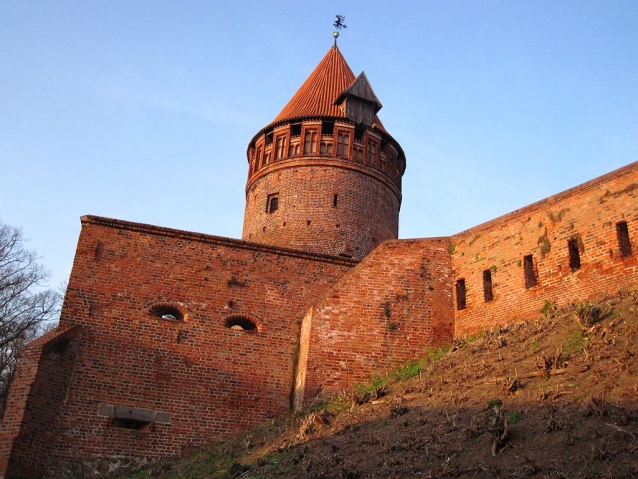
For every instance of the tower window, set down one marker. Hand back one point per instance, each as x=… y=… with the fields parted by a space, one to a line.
x=258 y=158
x=372 y=152
x=623 y=239
x=334 y=200
x=343 y=144
x=294 y=148
x=530 y=274
x=326 y=148
x=295 y=129
x=272 y=203
x=280 y=147
x=488 y=293
x=310 y=142
x=459 y=285
x=574 y=254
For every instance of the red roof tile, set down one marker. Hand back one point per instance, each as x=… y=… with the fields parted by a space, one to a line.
x=316 y=97
x=318 y=93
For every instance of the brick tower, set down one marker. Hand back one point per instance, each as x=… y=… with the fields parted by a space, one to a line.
x=325 y=176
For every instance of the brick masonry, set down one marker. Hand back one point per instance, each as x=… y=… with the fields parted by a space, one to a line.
x=586 y=214
x=366 y=213
x=116 y=385
x=211 y=380
x=382 y=313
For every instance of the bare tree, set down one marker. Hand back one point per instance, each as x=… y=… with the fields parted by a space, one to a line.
x=26 y=306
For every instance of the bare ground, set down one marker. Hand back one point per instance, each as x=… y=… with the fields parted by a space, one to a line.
x=552 y=398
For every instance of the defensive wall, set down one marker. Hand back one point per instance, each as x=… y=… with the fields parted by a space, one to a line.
x=185 y=338
x=408 y=295
x=382 y=313
x=169 y=339
x=566 y=248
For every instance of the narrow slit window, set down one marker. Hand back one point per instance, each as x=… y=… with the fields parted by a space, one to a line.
x=623 y=239
x=259 y=158
x=574 y=254
x=488 y=293
x=372 y=152
x=530 y=274
x=460 y=294
x=335 y=199
x=272 y=203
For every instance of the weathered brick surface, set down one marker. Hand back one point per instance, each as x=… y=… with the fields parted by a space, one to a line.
x=367 y=210
x=30 y=423
x=211 y=380
x=379 y=315
x=587 y=214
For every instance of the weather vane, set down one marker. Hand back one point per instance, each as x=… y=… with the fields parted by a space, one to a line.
x=338 y=24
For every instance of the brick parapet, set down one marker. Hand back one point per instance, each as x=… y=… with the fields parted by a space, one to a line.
x=217 y=240
x=586 y=215
x=628 y=170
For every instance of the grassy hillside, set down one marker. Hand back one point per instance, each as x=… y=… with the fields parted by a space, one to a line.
x=552 y=398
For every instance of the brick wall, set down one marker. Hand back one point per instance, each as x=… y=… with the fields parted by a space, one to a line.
x=33 y=407
x=366 y=213
x=384 y=312
x=198 y=379
x=202 y=378
x=586 y=215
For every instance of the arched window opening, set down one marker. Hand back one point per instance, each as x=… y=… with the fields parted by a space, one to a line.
x=168 y=312
x=241 y=323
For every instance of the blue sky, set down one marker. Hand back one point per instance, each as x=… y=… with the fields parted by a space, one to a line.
x=142 y=110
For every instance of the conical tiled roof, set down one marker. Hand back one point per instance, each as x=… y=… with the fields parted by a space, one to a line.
x=322 y=89
x=316 y=96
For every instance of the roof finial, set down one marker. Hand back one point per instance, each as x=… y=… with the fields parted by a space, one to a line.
x=338 y=25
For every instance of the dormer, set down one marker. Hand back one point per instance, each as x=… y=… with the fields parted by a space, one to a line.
x=359 y=102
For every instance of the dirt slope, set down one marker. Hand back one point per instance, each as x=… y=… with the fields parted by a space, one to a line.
x=554 y=398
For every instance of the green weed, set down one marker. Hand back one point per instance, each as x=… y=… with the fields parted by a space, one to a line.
x=514 y=418
x=549 y=309
x=408 y=370
x=434 y=354
x=575 y=342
